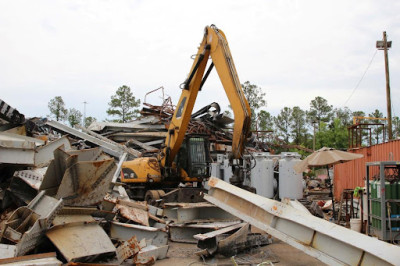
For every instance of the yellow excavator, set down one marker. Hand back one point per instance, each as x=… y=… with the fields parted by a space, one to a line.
x=186 y=159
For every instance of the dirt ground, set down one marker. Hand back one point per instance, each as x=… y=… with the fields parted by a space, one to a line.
x=278 y=253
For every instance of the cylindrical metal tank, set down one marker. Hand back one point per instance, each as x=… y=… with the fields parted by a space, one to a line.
x=227 y=171
x=290 y=182
x=215 y=170
x=262 y=175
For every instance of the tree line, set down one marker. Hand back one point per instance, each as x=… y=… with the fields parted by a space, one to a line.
x=122 y=105
x=320 y=123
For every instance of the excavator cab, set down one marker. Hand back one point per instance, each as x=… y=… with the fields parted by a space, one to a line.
x=194 y=156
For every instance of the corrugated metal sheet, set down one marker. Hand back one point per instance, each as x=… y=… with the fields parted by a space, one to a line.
x=352 y=174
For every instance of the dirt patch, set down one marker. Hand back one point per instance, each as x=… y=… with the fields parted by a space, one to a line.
x=278 y=253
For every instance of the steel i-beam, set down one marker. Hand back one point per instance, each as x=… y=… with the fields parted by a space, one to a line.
x=328 y=242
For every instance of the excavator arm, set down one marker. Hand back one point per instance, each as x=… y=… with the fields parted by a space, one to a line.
x=215 y=46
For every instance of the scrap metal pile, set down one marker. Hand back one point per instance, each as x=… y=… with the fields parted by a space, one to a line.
x=61 y=202
x=148 y=132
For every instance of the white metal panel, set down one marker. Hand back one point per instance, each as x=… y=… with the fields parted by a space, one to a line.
x=11 y=140
x=17 y=156
x=45 y=154
x=7 y=251
x=80 y=240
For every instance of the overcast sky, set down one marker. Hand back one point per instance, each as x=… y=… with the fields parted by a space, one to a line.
x=293 y=50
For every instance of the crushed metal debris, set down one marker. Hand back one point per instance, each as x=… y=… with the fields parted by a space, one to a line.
x=62 y=202
x=59 y=191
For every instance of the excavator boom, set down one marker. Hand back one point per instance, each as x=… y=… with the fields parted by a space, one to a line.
x=214 y=45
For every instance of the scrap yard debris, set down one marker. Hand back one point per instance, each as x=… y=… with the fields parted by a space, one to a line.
x=61 y=202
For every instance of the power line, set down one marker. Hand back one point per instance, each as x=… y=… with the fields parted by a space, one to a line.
x=362 y=77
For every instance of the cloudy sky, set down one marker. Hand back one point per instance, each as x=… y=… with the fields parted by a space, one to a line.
x=293 y=50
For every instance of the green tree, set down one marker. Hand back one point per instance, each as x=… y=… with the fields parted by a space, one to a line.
x=344 y=114
x=74 y=117
x=359 y=114
x=377 y=130
x=334 y=135
x=255 y=97
x=396 y=127
x=89 y=120
x=122 y=105
x=298 y=125
x=364 y=133
x=283 y=122
x=57 y=108
x=320 y=111
x=265 y=122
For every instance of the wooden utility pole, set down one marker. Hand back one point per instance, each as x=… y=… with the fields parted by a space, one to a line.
x=384 y=45
x=388 y=100
x=313 y=147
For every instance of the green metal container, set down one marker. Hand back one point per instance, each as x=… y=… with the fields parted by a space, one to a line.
x=392 y=191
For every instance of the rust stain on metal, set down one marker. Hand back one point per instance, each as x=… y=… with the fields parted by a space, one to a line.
x=212 y=182
x=134 y=214
x=142 y=262
x=128 y=249
x=98 y=163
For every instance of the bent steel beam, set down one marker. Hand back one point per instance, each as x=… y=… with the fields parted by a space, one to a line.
x=328 y=242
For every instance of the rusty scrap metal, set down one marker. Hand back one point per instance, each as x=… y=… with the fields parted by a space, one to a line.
x=32 y=177
x=123 y=231
x=133 y=214
x=26 y=225
x=215 y=233
x=86 y=183
x=240 y=241
x=204 y=121
x=149 y=254
x=230 y=245
x=184 y=232
x=184 y=195
x=164 y=112
x=128 y=249
x=208 y=242
x=279 y=143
